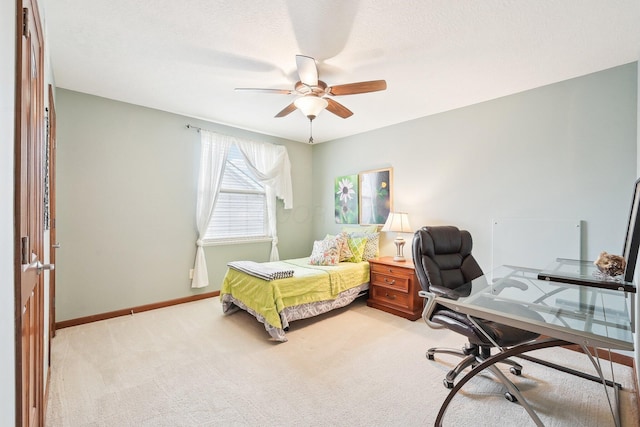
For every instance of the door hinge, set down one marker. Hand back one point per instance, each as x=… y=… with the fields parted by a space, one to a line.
x=25 y=22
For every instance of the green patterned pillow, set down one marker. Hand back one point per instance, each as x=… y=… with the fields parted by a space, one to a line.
x=372 y=248
x=356 y=245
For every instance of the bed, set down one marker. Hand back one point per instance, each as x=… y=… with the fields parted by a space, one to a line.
x=311 y=290
x=279 y=292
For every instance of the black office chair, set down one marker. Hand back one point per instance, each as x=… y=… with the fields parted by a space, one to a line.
x=443 y=262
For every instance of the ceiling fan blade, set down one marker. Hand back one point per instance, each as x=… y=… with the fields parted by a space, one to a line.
x=286 y=110
x=354 y=88
x=338 y=109
x=277 y=91
x=307 y=70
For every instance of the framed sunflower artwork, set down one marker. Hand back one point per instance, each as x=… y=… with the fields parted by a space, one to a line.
x=376 y=199
x=346 y=199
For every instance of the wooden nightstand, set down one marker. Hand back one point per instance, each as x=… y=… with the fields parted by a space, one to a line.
x=393 y=287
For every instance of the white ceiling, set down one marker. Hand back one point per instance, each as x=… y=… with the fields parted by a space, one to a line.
x=187 y=56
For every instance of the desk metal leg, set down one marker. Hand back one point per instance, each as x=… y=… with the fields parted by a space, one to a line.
x=568 y=370
x=616 y=414
x=511 y=352
x=515 y=392
x=616 y=386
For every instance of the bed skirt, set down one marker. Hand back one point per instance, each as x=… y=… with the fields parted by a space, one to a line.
x=296 y=312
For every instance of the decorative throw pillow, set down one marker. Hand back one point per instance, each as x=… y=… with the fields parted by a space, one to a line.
x=325 y=252
x=356 y=245
x=372 y=248
x=343 y=245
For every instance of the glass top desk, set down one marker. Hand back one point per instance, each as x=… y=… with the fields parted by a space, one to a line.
x=580 y=314
x=562 y=313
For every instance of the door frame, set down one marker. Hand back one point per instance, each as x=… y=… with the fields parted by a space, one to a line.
x=53 y=242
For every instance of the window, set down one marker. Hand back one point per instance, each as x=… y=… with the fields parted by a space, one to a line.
x=240 y=212
x=244 y=208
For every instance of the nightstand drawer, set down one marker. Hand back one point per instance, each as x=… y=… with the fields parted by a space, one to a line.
x=396 y=282
x=390 y=270
x=390 y=296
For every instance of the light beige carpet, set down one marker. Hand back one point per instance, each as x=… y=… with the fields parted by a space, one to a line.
x=190 y=365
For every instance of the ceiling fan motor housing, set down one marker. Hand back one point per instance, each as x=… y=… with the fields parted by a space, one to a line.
x=319 y=90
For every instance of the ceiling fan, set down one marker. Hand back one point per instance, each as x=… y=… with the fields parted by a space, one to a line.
x=315 y=95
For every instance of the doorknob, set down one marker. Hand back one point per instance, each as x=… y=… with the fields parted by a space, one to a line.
x=40 y=266
x=56 y=246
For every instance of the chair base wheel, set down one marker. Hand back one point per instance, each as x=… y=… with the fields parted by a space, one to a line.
x=515 y=371
x=430 y=356
x=510 y=397
x=447 y=384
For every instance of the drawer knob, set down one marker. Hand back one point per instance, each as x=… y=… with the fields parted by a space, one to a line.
x=389 y=282
x=386 y=294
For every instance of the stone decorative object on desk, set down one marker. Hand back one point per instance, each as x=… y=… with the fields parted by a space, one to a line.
x=610 y=265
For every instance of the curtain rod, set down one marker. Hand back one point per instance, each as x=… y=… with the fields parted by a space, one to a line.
x=189 y=126
x=198 y=129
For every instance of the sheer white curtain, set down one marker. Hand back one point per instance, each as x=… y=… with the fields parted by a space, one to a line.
x=272 y=167
x=213 y=156
x=270 y=163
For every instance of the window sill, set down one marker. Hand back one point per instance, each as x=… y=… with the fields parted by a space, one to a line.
x=237 y=241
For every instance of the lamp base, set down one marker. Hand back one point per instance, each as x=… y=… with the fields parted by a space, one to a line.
x=399 y=242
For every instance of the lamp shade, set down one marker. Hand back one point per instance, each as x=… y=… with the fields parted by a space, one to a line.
x=311 y=105
x=398 y=222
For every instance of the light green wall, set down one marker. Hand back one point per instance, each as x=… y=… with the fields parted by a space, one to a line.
x=563 y=151
x=127 y=179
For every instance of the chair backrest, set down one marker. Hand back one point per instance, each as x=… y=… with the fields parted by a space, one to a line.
x=442 y=257
x=632 y=240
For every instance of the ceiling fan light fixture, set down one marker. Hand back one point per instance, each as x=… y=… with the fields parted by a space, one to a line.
x=311 y=105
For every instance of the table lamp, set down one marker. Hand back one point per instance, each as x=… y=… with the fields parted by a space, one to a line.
x=398 y=222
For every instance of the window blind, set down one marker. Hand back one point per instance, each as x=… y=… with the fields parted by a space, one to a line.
x=240 y=210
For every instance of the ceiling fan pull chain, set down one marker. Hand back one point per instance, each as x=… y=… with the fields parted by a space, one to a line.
x=310 y=131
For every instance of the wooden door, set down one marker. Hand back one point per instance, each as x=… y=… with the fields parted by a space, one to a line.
x=29 y=214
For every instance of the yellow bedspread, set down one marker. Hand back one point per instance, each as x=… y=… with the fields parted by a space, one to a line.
x=310 y=283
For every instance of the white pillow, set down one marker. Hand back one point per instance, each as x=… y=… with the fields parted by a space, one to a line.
x=325 y=252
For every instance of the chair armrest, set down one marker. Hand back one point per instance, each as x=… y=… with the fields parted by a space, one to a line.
x=429 y=306
x=451 y=293
x=509 y=283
